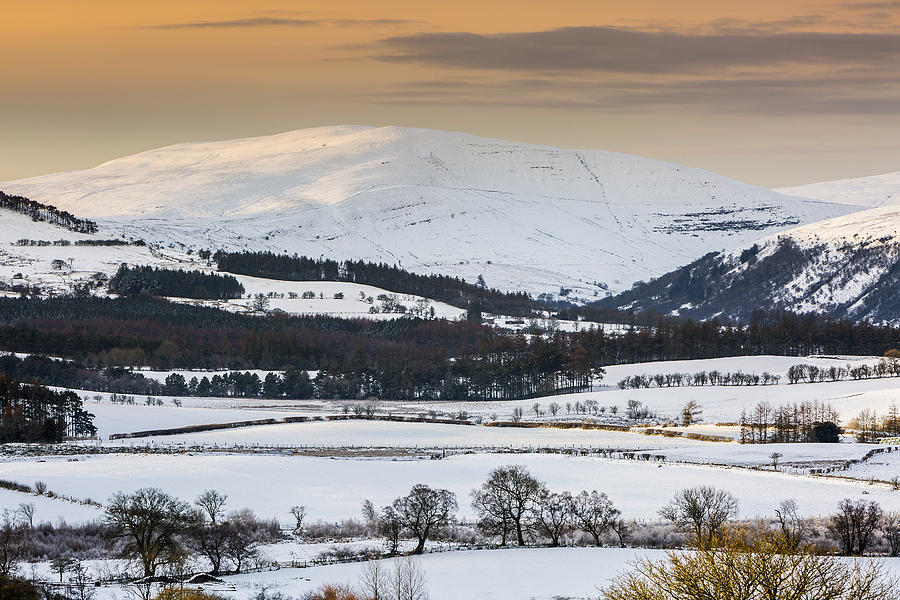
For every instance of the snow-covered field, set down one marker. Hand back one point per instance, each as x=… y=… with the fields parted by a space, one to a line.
x=333 y=488
x=503 y=574
x=46 y=509
x=511 y=574
x=720 y=404
x=884 y=467
x=381 y=434
x=125 y=418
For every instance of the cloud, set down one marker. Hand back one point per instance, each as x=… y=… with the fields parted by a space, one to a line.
x=889 y=5
x=255 y=22
x=621 y=50
x=843 y=92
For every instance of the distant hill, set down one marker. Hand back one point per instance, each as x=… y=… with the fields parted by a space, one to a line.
x=846 y=267
x=578 y=224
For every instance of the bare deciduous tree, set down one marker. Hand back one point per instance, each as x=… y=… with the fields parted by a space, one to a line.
x=390 y=526
x=594 y=514
x=212 y=503
x=553 y=515
x=792 y=525
x=854 y=524
x=26 y=513
x=299 y=513
x=374 y=581
x=512 y=493
x=408 y=581
x=423 y=511
x=241 y=544
x=148 y=523
x=701 y=512
x=890 y=528
x=12 y=540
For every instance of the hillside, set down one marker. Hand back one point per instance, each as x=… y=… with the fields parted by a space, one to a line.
x=848 y=266
x=872 y=192
x=526 y=217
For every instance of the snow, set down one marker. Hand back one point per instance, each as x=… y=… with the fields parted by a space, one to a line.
x=46 y=510
x=502 y=574
x=333 y=489
x=384 y=434
x=525 y=217
x=720 y=404
x=884 y=467
x=125 y=418
x=872 y=191
x=511 y=574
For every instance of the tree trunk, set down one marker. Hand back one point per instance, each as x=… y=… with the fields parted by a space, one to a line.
x=420 y=547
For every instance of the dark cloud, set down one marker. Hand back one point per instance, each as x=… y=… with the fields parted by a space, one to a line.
x=843 y=92
x=620 y=50
x=275 y=22
x=889 y=5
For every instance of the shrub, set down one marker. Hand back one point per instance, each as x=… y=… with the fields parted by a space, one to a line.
x=765 y=566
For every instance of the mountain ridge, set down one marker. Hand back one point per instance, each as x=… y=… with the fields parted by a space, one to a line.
x=570 y=223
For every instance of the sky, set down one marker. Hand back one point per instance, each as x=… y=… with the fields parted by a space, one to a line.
x=769 y=92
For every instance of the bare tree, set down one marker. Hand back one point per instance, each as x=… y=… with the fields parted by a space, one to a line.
x=691 y=413
x=26 y=513
x=82 y=586
x=553 y=515
x=212 y=503
x=408 y=581
x=12 y=545
x=299 y=513
x=493 y=516
x=890 y=528
x=208 y=539
x=390 y=526
x=425 y=510
x=792 y=525
x=374 y=581
x=594 y=514
x=701 y=512
x=510 y=491
x=854 y=524
x=775 y=456
x=241 y=544
x=148 y=523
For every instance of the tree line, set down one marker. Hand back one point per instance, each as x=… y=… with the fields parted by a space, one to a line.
x=400 y=359
x=33 y=413
x=47 y=213
x=443 y=288
x=810 y=421
x=177 y=283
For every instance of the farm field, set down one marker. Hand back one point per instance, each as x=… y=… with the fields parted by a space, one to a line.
x=333 y=489
x=720 y=403
x=505 y=574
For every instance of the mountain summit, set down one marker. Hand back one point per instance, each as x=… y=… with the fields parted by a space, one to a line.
x=546 y=220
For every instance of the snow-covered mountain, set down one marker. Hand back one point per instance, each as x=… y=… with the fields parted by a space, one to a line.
x=871 y=192
x=525 y=217
x=847 y=266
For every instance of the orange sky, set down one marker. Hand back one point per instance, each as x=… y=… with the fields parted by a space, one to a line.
x=771 y=92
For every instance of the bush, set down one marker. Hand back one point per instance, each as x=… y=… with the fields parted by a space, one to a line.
x=765 y=566
x=17 y=589
x=171 y=593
